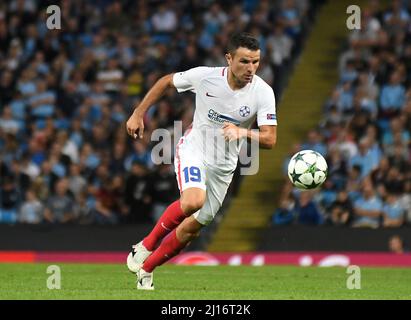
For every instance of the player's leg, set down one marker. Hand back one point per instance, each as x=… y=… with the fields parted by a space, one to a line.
x=191 y=179
x=173 y=243
x=191 y=200
x=171 y=246
x=188 y=230
x=202 y=205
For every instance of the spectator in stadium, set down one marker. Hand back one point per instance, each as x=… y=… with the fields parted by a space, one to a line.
x=341 y=210
x=365 y=158
x=396 y=245
x=31 y=210
x=68 y=98
x=392 y=97
x=42 y=102
x=314 y=142
x=395 y=131
x=345 y=97
x=394 y=182
x=396 y=18
x=307 y=212
x=337 y=168
x=89 y=159
x=398 y=156
x=368 y=207
x=68 y=148
x=368 y=34
x=137 y=195
x=9 y=197
x=406 y=112
x=279 y=47
x=371 y=133
x=214 y=19
x=266 y=72
x=6 y=87
x=77 y=182
x=8 y=124
x=289 y=16
x=162 y=189
x=164 y=21
x=379 y=175
x=215 y=57
x=60 y=207
x=348 y=75
x=284 y=214
x=118 y=158
x=405 y=201
x=367 y=85
x=84 y=208
x=344 y=142
x=109 y=207
x=111 y=77
x=140 y=154
x=393 y=212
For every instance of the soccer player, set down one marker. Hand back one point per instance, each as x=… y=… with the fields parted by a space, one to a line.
x=228 y=99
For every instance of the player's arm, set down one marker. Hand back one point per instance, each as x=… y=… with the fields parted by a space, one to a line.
x=266 y=136
x=135 y=124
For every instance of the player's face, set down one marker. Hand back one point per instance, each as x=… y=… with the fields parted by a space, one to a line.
x=243 y=63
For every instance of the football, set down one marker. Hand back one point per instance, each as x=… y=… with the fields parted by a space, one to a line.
x=307 y=169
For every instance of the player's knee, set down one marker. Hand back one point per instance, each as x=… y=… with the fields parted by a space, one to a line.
x=189 y=236
x=191 y=205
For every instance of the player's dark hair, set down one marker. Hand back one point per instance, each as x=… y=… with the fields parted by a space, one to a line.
x=242 y=39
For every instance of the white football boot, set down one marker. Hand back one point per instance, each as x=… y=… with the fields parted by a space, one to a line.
x=145 y=280
x=137 y=256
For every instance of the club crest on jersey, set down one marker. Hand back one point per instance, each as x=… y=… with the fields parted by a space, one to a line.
x=244 y=111
x=214 y=116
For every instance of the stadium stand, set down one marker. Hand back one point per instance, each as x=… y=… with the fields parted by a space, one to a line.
x=364 y=132
x=66 y=93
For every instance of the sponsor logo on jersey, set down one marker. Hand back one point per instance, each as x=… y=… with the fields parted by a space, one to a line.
x=244 y=111
x=271 y=116
x=219 y=118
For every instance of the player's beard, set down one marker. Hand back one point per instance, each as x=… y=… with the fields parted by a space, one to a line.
x=238 y=81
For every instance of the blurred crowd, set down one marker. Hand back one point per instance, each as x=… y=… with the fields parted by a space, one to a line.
x=365 y=133
x=65 y=95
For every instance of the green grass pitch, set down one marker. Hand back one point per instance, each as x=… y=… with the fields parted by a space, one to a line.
x=113 y=281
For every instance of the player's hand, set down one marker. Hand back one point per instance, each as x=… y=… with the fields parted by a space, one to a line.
x=135 y=125
x=231 y=132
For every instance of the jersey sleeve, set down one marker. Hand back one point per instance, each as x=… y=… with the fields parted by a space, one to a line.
x=266 y=114
x=189 y=80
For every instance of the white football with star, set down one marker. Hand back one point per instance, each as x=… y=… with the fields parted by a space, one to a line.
x=307 y=169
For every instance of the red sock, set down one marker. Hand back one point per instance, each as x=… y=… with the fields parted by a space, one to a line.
x=170 y=219
x=168 y=248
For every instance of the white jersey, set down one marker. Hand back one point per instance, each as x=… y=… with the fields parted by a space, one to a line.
x=217 y=103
